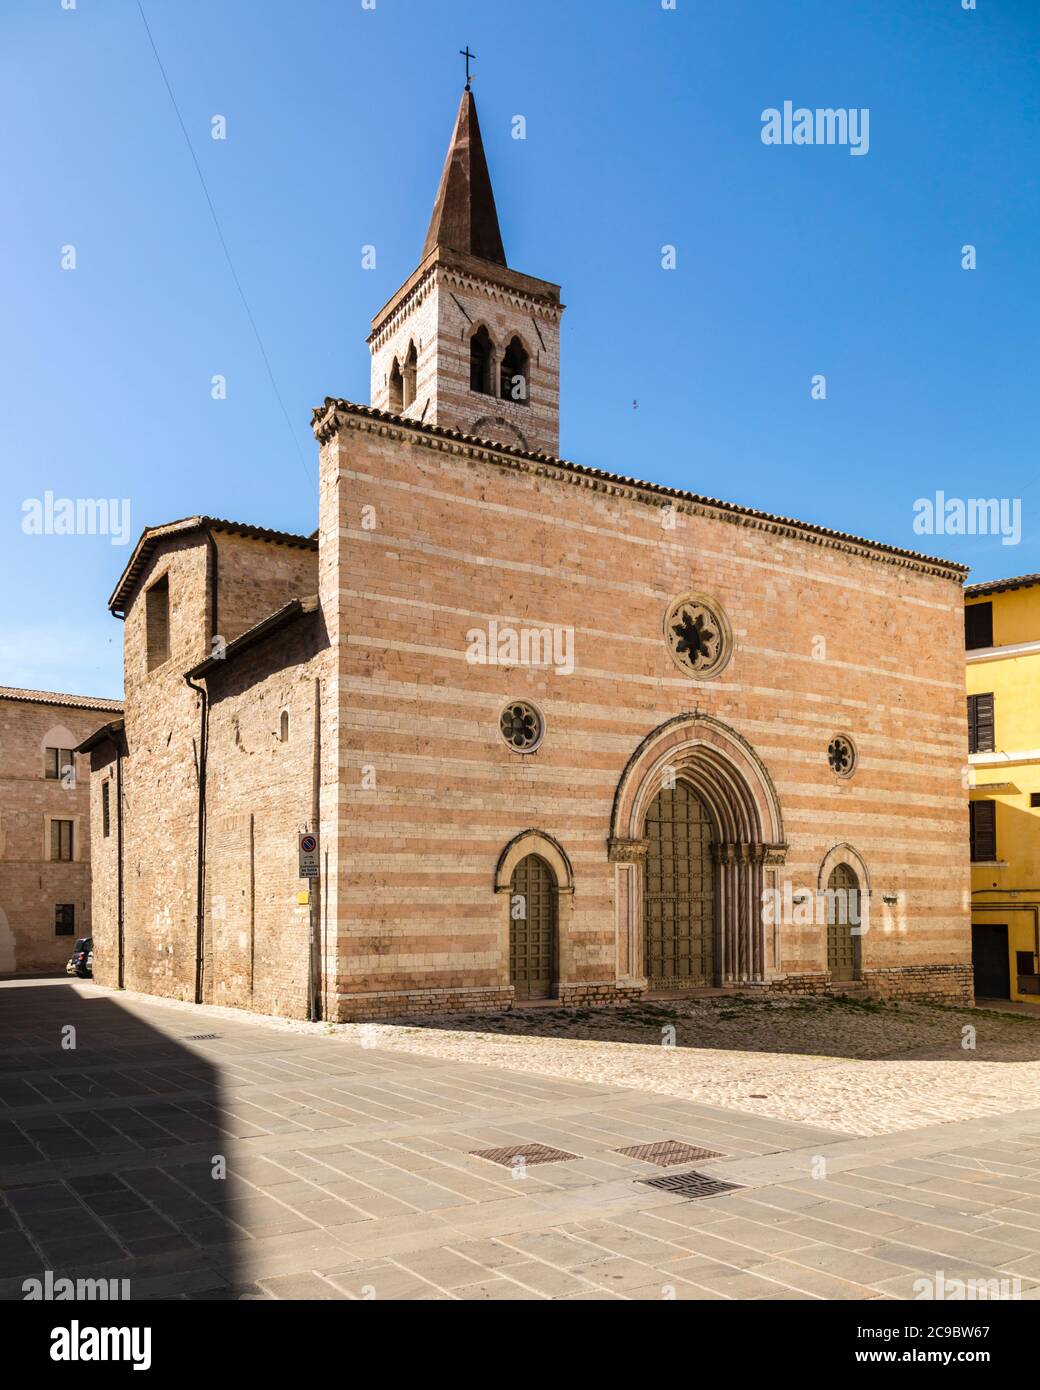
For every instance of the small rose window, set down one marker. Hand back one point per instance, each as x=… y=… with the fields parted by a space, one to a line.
x=522 y=726
x=841 y=754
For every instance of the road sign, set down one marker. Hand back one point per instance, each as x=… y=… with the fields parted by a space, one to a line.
x=309 y=856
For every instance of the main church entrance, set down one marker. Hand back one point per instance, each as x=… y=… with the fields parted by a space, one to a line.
x=679 y=892
x=697 y=836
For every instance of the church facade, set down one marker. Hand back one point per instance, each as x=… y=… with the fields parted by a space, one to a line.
x=558 y=733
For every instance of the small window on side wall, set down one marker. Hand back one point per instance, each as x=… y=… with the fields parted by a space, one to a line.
x=65 y=919
x=61 y=841
x=59 y=764
x=106 y=815
x=283 y=727
x=157 y=622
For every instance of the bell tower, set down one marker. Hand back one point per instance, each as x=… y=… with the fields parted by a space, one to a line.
x=466 y=342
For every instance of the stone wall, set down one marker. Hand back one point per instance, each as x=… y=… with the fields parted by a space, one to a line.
x=927 y=984
x=247 y=777
x=260 y=796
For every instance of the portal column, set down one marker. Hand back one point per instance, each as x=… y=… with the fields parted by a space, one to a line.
x=629 y=857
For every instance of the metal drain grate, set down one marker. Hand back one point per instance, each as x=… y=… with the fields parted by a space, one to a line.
x=668 y=1151
x=691 y=1184
x=200 y=1037
x=530 y=1153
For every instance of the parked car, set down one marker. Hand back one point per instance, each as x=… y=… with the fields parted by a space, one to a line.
x=81 y=962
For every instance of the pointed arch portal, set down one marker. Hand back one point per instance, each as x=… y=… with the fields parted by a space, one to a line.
x=697 y=836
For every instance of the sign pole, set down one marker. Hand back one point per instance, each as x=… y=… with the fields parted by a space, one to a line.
x=310 y=856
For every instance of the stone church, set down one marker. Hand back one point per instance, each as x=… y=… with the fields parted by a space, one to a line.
x=558 y=733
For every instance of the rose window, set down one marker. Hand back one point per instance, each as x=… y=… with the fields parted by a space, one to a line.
x=522 y=727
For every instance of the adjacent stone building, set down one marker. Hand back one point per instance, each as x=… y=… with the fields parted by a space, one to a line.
x=45 y=897
x=559 y=733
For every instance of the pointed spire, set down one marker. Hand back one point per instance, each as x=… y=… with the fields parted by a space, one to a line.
x=464 y=215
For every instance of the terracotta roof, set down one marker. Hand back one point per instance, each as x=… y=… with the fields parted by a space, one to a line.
x=1000 y=586
x=152 y=535
x=53 y=697
x=464 y=215
x=289 y=612
x=322 y=419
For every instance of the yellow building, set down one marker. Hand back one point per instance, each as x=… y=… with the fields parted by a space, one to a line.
x=1002 y=636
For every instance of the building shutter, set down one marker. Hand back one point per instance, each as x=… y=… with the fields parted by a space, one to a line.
x=980 y=723
x=978 y=625
x=983 y=831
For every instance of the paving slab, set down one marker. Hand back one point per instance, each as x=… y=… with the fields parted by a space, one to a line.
x=280 y=1162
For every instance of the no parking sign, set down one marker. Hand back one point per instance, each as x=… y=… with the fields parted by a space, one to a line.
x=308 y=848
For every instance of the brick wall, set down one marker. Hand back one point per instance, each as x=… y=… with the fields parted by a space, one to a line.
x=828 y=638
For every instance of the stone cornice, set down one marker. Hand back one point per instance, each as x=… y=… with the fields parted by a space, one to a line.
x=402 y=309
x=627 y=851
x=528 y=303
x=335 y=415
x=546 y=308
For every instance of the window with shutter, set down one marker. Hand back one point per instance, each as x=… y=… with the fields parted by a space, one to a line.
x=61 y=840
x=980 y=723
x=983 y=832
x=978 y=626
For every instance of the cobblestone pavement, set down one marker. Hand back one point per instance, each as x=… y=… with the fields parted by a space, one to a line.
x=352 y=1174
x=857 y=1067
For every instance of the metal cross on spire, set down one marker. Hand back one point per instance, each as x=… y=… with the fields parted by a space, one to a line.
x=465 y=53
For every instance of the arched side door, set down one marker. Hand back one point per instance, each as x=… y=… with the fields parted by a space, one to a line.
x=843 y=913
x=533 y=952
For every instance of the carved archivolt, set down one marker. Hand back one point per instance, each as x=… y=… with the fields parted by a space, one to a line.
x=747 y=834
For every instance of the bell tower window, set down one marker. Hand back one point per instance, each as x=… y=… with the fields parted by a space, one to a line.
x=408 y=371
x=515 y=368
x=396 y=402
x=481 y=354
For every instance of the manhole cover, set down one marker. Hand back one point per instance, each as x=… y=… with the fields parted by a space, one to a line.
x=668 y=1151
x=530 y=1153
x=200 y=1037
x=691 y=1184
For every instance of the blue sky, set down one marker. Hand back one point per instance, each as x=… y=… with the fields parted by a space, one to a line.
x=643 y=129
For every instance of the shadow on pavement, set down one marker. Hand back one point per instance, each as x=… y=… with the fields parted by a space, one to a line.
x=831 y=1027
x=108 y=1134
